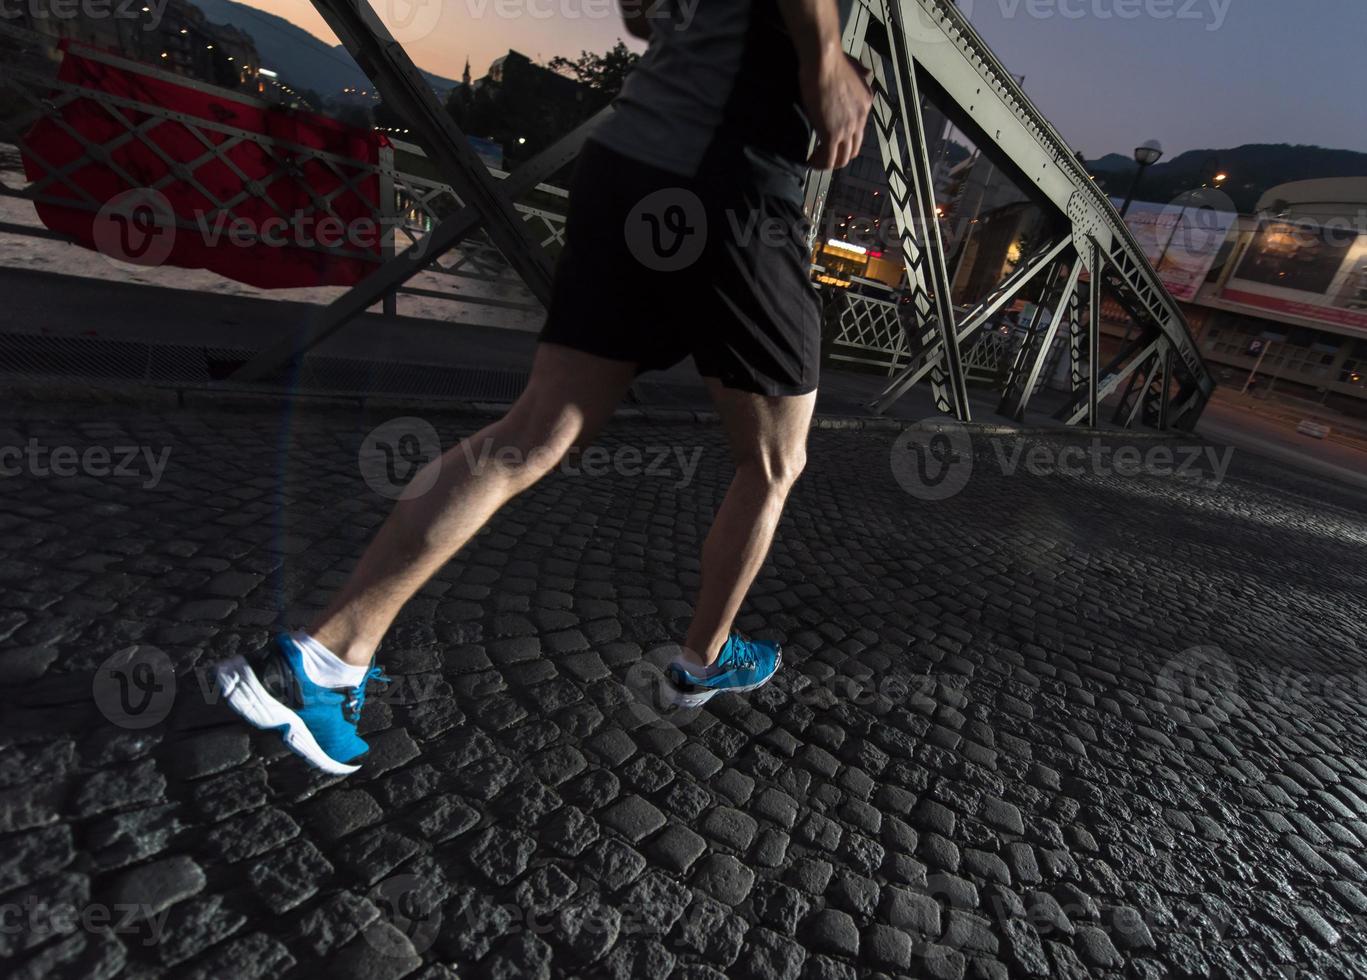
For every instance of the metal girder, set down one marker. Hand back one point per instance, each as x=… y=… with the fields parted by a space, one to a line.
x=964 y=74
x=1156 y=404
x=1119 y=370
x=974 y=321
x=1019 y=391
x=404 y=89
x=1139 y=383
x=1093 y=332
x=906 y=160
x=402 y=267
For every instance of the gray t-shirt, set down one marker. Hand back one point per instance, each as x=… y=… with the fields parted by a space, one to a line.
x=719 y=77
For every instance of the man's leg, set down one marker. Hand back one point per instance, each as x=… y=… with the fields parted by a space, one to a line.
x=768 y=437
x=568 y=398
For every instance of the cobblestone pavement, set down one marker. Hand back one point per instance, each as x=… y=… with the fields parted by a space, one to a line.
x=1073 y=724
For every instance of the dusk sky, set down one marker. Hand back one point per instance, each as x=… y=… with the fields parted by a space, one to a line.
x=1212 y=73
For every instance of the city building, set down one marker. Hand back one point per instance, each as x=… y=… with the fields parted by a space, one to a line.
x=1283 y=292
x=176 y=37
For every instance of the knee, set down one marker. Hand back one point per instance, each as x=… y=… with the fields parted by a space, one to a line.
x=772 y=470
x=529 y=441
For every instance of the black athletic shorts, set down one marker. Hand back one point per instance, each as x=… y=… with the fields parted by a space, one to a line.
x=657 y=267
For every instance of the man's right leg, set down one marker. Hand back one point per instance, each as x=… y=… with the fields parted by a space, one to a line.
x=310 y=687
x=569 y=397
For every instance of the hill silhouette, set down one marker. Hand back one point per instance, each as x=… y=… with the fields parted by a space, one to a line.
x=1253 y=169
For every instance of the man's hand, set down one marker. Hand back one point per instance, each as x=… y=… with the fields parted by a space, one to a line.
x=837 y=100
x=833 y=90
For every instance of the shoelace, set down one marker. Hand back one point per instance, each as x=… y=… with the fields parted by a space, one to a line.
x=352 y=708
x=739 y=652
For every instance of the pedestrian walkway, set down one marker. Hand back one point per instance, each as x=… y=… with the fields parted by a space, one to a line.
x=1039 y=715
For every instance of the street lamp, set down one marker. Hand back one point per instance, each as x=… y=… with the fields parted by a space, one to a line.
x=1146 y=155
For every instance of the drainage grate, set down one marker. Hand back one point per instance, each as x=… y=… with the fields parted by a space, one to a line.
x=90 y=358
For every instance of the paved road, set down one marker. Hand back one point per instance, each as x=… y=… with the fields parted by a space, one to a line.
x=1060 y=720
x=1231 y=424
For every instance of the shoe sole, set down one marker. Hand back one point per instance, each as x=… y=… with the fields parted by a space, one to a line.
x=246 y=695
x=696 y=699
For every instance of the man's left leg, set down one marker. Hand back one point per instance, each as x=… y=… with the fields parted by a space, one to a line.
x=768 y=438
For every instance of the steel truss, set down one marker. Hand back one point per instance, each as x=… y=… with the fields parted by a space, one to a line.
x=916 y=46
x=911 y=48
x=403 y=87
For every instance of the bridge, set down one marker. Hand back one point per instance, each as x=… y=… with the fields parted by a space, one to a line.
x=1085 y=701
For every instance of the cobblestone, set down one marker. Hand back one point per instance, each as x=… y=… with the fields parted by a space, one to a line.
x=1075 y=726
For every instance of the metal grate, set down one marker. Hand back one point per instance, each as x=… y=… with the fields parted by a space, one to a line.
x=31 y=356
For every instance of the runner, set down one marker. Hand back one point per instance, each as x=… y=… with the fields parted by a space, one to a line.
x=685 y=237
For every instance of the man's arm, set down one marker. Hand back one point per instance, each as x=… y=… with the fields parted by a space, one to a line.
x=834 y=93
x=634 y=17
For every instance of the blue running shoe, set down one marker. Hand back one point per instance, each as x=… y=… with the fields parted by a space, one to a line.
x=270 y=690
x=743 y=665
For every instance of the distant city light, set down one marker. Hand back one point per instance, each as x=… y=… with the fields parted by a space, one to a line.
x=267 y=72
x=837 y=243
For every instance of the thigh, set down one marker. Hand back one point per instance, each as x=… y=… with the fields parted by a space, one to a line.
x=607 y=298
x=768 y=429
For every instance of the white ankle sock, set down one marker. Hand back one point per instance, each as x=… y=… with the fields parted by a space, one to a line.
x=324 y=667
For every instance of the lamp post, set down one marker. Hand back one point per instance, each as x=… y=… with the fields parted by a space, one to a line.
x=1146 y=155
